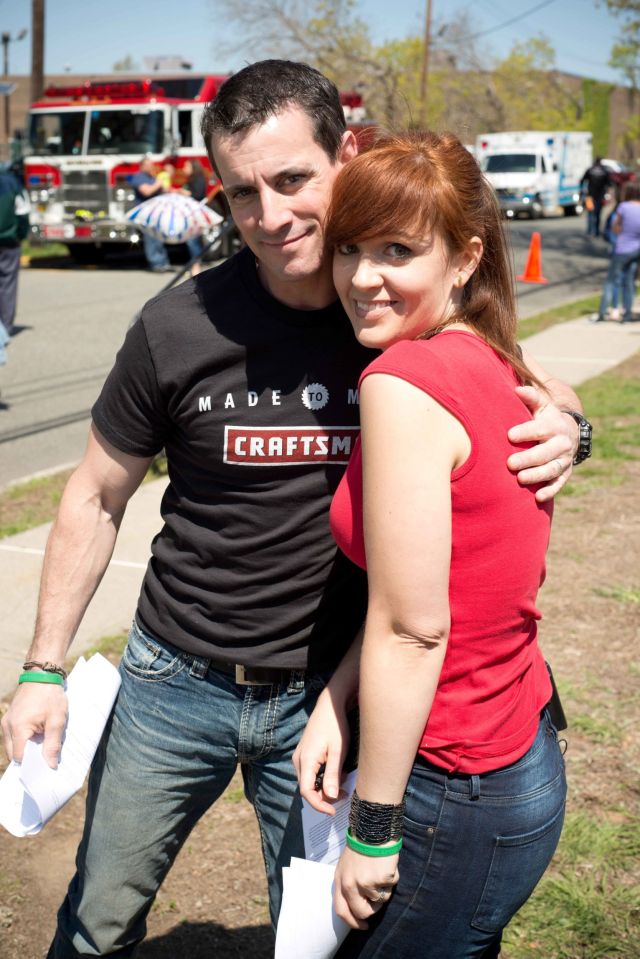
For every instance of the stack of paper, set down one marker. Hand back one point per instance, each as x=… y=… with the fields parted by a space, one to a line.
x=308 y=927
x=31 y=792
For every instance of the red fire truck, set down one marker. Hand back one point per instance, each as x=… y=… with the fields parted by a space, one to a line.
x=85 y=141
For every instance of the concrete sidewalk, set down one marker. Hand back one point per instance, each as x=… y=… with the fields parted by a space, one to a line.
x=573 y=352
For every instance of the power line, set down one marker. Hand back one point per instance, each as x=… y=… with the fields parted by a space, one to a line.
x=507 y=23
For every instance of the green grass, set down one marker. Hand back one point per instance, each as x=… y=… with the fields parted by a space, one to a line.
x=31 y=504
x=587 y=906
x=108 y=646
x=595 y=729
x=559 y=314
x=624 y=594
x=234 y=795
x=40 y=251
x=612 y=404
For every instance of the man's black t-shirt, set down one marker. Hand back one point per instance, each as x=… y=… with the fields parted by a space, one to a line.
x=256 y=406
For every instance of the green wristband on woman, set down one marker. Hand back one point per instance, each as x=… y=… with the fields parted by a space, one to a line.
x=34 y=677
x=366 y=849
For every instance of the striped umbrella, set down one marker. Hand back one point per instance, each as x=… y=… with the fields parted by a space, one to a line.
x=174 y=217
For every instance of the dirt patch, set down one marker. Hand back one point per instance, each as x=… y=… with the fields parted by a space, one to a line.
x=214 y=901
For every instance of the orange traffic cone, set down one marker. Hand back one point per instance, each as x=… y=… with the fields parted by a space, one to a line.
x=533 y=269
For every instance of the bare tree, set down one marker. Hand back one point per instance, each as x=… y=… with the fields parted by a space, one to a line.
x=329 y=35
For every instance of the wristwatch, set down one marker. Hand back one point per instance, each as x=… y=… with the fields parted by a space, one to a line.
x=584 y=439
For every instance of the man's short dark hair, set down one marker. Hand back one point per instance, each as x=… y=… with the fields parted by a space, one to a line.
x=266 y=88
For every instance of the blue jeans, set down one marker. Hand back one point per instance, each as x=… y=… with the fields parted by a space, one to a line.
x=620 y=276
x=474 y=849
x=155 y=252
x=593 y=218
x=195 y=247
x=4 y=339
x=176 y=736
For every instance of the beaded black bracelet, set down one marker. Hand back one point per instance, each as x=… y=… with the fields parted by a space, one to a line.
x=375 y=823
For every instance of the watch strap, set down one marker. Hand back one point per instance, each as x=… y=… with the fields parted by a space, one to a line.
x=585 y=431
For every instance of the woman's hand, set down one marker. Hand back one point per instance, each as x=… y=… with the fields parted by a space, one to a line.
x=324 y=743
x=362 y=885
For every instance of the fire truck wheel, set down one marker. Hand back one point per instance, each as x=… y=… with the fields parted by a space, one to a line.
x=84 y=253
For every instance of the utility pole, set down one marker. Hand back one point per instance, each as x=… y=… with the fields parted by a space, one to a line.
x=7 y=39
x=424 y=78
x=37 y=49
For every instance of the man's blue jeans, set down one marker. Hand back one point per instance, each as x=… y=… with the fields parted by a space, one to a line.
x=155 y=252
x=593 y=217
x=176 y=736
x=474 y=849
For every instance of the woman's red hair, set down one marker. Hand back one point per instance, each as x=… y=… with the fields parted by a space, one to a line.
x=416 y=184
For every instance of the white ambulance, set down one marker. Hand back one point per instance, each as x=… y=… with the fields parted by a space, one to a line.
x=536 y=173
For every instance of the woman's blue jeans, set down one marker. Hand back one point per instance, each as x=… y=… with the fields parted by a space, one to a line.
x=621 y=275
x=474 y=849
x=176 y=736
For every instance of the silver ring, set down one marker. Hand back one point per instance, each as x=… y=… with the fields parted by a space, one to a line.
x=560 y=467
x=381 y=897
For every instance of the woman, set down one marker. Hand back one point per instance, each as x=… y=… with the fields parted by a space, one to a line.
x=458 y=757
x=624 y=259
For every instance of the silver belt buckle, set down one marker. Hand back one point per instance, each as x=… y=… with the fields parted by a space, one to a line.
x=241 y=676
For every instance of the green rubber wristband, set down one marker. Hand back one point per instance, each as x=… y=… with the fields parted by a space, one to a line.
x=33 y=677
x=368 y=850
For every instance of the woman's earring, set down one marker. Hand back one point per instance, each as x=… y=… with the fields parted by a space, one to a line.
x=460 y=280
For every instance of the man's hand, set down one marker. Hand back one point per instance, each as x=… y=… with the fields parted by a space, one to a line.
x=550 y=462
x=362 y=886
x=324 y=743
x=37 y=709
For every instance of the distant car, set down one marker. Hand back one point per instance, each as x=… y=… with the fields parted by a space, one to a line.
x=620 y=174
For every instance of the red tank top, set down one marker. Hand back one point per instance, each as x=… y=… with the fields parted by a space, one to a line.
x=494 y=681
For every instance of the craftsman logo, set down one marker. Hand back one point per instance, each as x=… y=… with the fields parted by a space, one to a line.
x=288 y=445
x=315 y=396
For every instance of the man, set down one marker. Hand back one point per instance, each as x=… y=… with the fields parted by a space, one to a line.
x=595 y=183
x=246 y=607
x=14 y=226
x=146 y=185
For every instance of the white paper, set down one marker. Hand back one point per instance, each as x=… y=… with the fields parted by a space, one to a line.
x=31 y=792
x=308 y=927
x=325 y=836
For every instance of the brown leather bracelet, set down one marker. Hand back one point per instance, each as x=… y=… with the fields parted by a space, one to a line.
x=46 y=667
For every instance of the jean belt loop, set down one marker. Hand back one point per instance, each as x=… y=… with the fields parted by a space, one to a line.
x=199 y=667
x=474 y=787
x=296 y=681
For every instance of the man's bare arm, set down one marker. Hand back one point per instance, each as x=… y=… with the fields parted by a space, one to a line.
x=78 y=552
x=556 y=435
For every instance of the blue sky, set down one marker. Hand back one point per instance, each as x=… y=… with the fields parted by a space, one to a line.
x=91 y=35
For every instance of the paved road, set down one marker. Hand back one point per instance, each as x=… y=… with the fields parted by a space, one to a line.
x=73 y=321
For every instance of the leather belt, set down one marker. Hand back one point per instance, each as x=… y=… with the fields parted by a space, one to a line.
x=258 y=675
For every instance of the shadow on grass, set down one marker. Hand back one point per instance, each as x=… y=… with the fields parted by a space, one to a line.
x=202 y=940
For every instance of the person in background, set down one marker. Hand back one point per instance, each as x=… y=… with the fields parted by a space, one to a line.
x=460 y=793
x=608 y=308
x=195 y=186
x=146 y=185
x=14 y=227
x=595 y=184
x=624 y=262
